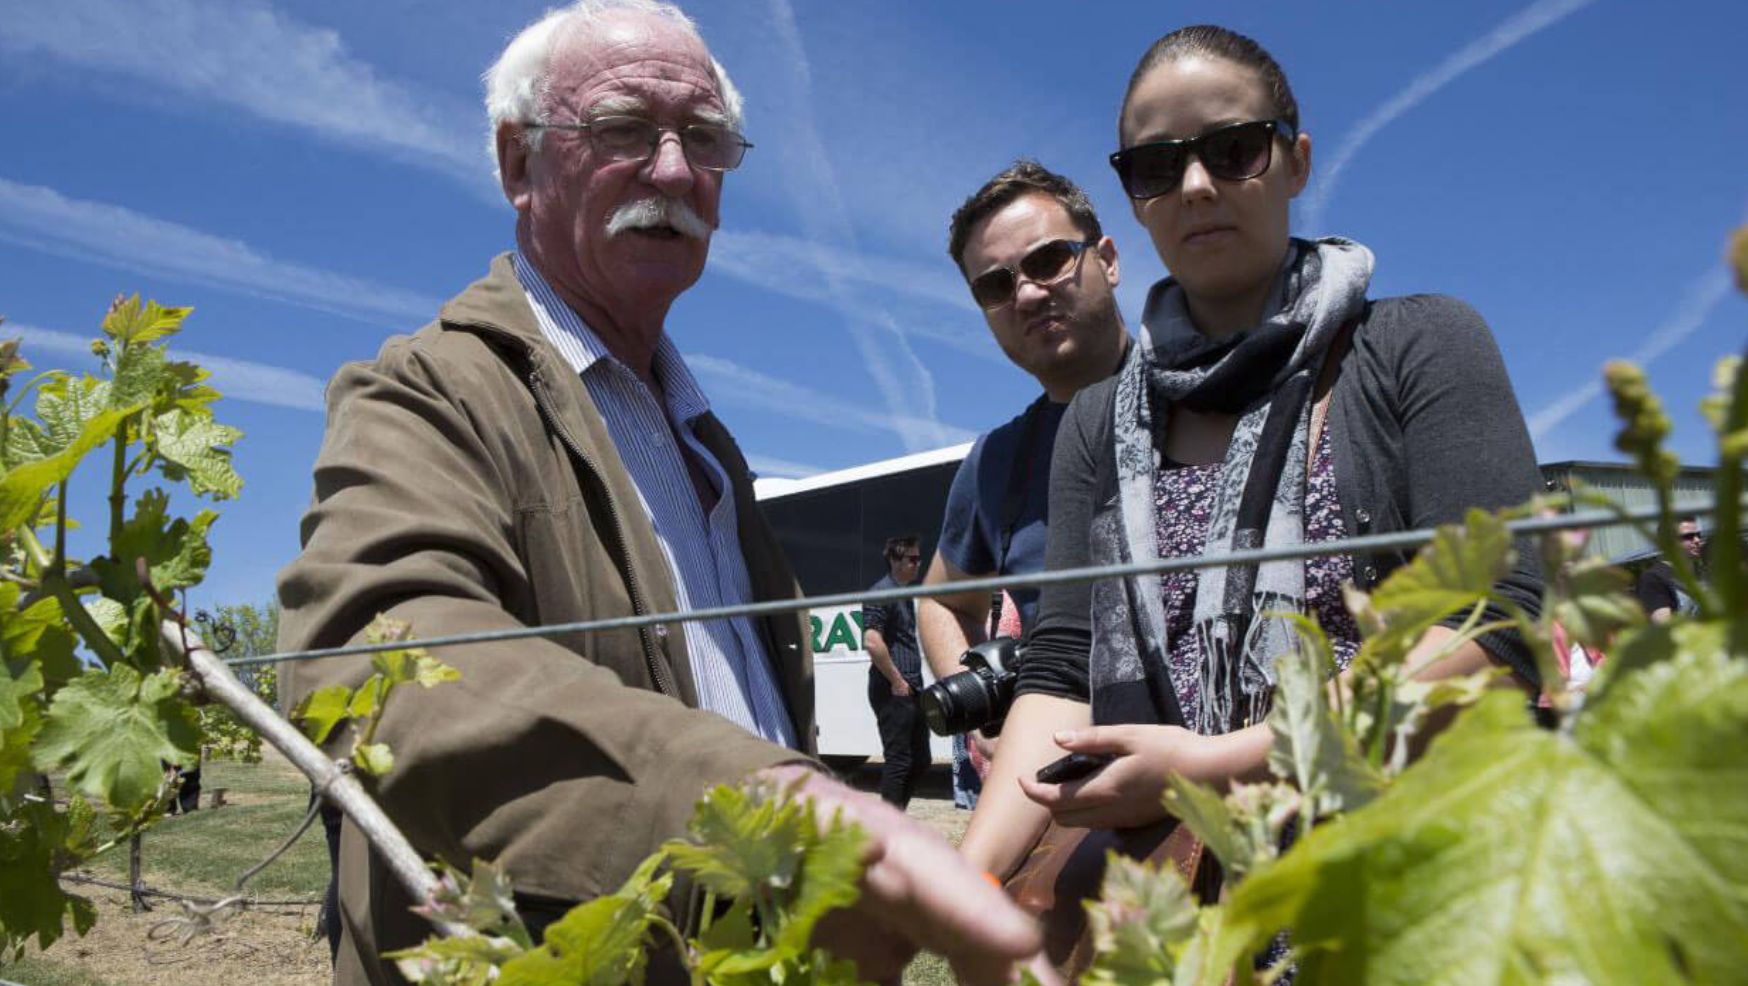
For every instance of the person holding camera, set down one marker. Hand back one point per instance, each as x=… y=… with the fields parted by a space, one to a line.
x=1040 y=267
x=895 y=676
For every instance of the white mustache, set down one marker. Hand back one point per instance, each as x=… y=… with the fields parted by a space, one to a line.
x=657 y=211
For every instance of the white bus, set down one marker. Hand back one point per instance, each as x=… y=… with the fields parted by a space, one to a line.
x=833 y=527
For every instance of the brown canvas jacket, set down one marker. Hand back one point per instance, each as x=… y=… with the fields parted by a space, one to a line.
x=467 y=483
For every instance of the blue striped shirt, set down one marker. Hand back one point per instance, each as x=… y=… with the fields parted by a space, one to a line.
x=733 y=673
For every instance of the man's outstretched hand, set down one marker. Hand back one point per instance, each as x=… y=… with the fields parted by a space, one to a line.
x=917 y=893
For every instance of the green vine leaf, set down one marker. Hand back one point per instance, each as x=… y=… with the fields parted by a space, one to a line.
x=109 y=730
x=32 y=903
x=1617 y=854
x=1453 y=573
x=1311 y=749
x=743 y=842
x=1202 y=809
x=25 y=485
x=65 y=405
x=1596 y=603
x=1140 y=924
x=374 y=759
x=19 y=721
x=599 y=943
x=128 y=322
x=193 y=448
x=16 y=695
x=139 y=372
x=36 y=634
x=321 y=710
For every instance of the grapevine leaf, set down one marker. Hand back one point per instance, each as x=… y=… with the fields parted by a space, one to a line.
x=27 y=442
x=25 y=485
x=81 y=826
x=189 y=390
x=1310 y=748
x=15 y=696
x=1197 y=805
x=469 y=961
x=831 y=875
x=15 y=742
x=368 y=698
x=37 y=634
x=139 y=371
x=743 y=842
x=111 y=617
x=129 y=322
x=375 y=759
x=32 y=902
x=1141 y=920
x=1597 y=603
x=11 y=363
x=65 y=405
x=1452 y=573
x=598 y=943
x=1615 y=854
x=193 y=447
x=176 y=551
x=110 y=729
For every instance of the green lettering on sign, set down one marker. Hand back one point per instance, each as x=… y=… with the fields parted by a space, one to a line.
x=843 y=632
x=815 y=625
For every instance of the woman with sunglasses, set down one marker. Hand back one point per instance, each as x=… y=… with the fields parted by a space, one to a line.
x=1270 y=402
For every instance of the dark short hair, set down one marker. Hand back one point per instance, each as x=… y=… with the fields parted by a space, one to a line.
x=1023 y=177
x=1213 y=41
x=900 y=545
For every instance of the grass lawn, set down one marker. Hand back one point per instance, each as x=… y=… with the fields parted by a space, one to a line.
x=39 y=971
x=208 y=849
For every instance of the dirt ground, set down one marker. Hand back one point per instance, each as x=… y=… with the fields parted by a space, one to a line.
x=273 y=947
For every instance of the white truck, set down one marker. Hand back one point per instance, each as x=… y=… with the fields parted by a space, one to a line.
x=833 y=527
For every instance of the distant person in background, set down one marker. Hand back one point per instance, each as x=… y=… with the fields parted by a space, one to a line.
x=1659 y=591
x=895 y=675
x=1037 y=262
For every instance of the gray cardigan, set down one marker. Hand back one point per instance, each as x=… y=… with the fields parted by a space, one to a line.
x=1423 y=424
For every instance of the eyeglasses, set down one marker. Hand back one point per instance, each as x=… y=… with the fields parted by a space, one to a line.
x=1231 y=153
x=1046 y=264
x=913 y=559
x=1690 y=535
x=632 y=138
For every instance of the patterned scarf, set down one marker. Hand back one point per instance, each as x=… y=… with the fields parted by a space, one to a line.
x=1265 y=376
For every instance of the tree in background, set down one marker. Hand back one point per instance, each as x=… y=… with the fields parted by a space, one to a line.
x=241 y=630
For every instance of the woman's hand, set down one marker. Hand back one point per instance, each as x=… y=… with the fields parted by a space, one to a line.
x=1128 y=791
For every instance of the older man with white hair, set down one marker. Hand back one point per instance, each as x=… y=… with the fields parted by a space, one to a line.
x=540 y=454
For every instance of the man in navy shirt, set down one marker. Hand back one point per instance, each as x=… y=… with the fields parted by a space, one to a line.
x=1042 y=270
x=895 y=676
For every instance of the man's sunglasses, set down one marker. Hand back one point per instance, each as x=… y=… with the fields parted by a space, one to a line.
x=1231 y=153
x=1046 y=264
x=1690 y=535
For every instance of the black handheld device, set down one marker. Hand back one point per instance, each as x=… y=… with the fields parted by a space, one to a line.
x=1073 y=767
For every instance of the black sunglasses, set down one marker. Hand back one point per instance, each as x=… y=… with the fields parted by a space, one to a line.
x=1230 y=153
x=1047 y=263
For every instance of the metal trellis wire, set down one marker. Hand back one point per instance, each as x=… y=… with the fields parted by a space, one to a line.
x=1398 y=540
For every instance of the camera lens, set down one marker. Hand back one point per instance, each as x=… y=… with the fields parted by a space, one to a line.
x=959 y=703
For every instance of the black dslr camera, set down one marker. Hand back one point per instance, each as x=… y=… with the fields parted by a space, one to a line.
x=979 y=696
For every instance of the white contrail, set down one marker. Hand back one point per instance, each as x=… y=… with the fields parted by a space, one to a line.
x=1515 y=29
x=765 y=465
x=245 y=54
x=729 y=382
x=1701 y=299
x=905 y=383
x=47 y=220
x=242 y=380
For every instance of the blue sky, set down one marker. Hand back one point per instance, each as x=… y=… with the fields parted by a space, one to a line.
x=311 y=176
